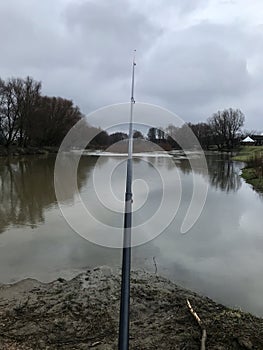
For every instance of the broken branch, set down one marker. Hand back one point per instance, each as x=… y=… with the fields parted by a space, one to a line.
x=200 y=323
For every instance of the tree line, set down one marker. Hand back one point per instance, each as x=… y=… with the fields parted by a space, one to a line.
x=222 y=130
x=27 y=118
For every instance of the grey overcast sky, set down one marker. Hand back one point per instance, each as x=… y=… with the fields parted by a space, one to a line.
x=194 y=57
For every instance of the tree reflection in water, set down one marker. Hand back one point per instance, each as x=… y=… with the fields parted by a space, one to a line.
x=27 y=184
x=27 y=188
x=223 y=173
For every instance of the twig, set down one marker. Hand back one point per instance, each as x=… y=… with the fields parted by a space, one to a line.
x=200 y=323
x=95 y=344
x=155 y=265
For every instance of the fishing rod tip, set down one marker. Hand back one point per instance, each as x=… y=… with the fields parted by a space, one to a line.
x=134 y=57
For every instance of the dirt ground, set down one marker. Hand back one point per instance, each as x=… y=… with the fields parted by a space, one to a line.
x=83 y=313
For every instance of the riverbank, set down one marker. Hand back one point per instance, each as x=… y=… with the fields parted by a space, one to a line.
x=15 y=151
x=253 y=171
x=119 y=147
x=83 y=313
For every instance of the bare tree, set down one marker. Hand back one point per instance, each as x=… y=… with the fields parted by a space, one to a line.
x=235 y=120
x=18 y=101
x=52 y=120
x=203 y=133
x=225 y=126
x=29 y=96
x=9 y=112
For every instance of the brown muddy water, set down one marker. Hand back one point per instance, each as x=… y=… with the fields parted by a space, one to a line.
x=220 y=257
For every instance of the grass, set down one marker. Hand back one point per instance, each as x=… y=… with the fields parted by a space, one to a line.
x=251 y=177
x=253 y=171
x=248 y=152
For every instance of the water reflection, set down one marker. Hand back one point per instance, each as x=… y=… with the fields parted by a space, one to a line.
x=220 y=257
x=223 y=173
x=27 y=188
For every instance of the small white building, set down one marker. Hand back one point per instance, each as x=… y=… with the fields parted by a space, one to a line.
x=248 y=141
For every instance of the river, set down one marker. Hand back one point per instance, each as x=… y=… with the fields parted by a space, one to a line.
x=220 y=257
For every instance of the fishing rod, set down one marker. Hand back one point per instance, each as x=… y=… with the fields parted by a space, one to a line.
x=126 y=251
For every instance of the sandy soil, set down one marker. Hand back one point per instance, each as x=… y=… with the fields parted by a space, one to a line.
x=83 y=313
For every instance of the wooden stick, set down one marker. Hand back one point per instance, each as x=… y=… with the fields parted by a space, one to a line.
x=200 y=323
x=155 y=265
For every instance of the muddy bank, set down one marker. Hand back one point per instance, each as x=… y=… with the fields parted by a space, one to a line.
x=83 y=313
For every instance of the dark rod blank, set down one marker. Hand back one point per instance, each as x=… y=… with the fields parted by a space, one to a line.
x=126 y=252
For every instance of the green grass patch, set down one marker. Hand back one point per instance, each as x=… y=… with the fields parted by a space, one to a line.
x=250 y=176
x=253 y=172
x=248 y=152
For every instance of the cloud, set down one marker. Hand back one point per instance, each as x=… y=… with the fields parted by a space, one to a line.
x=191 y=69
x=107 y=33
x=194 y=57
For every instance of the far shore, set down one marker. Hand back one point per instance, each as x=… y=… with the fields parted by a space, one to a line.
x=139 y=146
x=15 y=151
